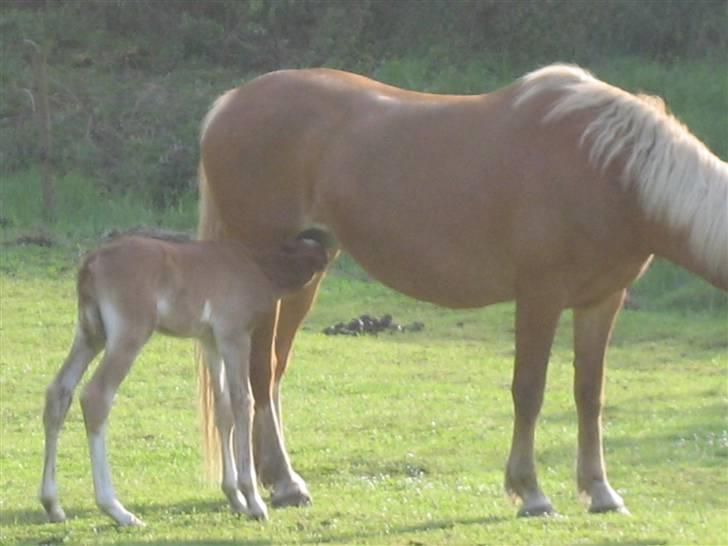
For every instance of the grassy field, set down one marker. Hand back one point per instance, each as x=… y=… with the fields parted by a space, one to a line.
x=401 y=438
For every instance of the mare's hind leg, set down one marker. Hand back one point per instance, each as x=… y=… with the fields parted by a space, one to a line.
x=58 y=400
x=124 y=341
x=537 y=315
x=224 y=425
x=592 y=330
x=275 y=470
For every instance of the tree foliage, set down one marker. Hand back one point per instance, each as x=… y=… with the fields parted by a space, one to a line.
x=265 y=34
x=126 y=112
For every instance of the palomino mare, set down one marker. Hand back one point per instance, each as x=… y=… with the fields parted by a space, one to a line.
x=554 y=192
x=215 y=291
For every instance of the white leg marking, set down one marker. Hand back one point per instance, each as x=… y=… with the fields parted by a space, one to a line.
x=58 y=400
x=105 y=495
x=224 y=424
x=236 y=355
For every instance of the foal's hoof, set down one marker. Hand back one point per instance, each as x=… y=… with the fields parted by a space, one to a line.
x=53 y=510
x=131 y=521
x=56 y=515
x=126 y=519
x=258 y=515
x=238 y=505
x=257 y=510
x=290 y=498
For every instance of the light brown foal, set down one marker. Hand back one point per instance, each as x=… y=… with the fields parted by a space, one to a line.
x=216 y=292
x=553 y=191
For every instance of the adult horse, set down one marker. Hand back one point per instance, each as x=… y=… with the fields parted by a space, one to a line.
x=554 y=191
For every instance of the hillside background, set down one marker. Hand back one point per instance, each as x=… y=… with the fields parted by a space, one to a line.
x=129 y=82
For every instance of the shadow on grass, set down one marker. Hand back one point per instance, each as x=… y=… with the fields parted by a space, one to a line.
x=37 y=517
x=353 y=537
x=416 y=528
x=58 y=534
x=231 y=542
x=344 y=538
x=630 y=542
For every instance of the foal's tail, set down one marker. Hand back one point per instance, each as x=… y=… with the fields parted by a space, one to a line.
x=90 y=322
x=209 y=228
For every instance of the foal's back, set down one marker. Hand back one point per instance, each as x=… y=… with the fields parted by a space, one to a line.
x=139 y=284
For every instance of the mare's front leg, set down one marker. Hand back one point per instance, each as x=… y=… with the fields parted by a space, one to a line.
x=123 y=345
x=592 y=330
x=267 y=369
x=538 y=309
x=58 y=400
x=224 y=421
x=235 y=351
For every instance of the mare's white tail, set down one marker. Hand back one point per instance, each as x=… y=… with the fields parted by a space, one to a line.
x=209 y=228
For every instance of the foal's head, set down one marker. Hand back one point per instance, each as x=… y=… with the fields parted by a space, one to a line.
x=296 y=261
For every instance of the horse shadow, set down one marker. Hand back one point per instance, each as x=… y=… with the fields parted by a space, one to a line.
x=435 y=525
x=37 y=517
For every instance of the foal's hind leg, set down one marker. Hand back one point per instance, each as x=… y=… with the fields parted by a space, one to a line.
x=58 y=400
x=224 y=425
x=537 y=315
x=122 y=347
x=271 y=458
x=592 y=330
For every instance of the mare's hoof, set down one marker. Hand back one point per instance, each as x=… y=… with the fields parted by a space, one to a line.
x=537 y=510
x=291 y=498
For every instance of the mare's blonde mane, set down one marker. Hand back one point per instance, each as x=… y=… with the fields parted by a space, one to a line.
x=678 y=179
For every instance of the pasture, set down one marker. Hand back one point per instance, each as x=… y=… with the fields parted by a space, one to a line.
x=401 y=438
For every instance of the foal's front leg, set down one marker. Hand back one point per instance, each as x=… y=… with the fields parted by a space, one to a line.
x=235 y=351
x=537 y=315
x=592 y=330
x=224 y=424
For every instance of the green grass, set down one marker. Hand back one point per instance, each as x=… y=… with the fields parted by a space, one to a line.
x=402 y=439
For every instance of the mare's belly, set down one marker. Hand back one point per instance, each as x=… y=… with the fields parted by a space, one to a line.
x=445 y=274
